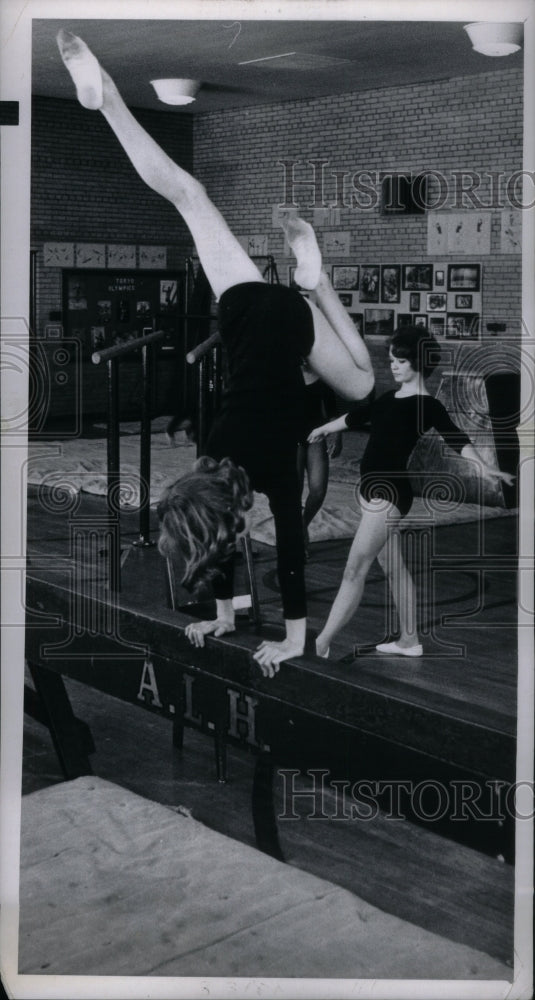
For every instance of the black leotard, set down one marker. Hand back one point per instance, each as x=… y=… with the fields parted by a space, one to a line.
x=396 y=424
x=267 y=330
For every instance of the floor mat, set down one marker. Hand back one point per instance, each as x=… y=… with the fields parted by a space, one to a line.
x=114 y=884
x=81 y=465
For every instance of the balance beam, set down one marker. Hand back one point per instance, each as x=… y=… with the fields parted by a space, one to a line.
x=313 y=713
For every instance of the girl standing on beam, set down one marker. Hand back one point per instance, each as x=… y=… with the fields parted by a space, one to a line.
x=398 y=419
x=267 y=331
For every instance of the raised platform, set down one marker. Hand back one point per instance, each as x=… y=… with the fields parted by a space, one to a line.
x=448 y=718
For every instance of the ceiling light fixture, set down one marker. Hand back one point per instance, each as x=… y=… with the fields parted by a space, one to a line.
x=494 y=38
x=176 y=91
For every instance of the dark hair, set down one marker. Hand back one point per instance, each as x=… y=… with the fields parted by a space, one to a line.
x=415 y=344
x=200 y=516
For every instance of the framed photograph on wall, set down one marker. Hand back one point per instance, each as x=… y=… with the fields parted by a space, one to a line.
x=436 y=326
x=463 y=301
x=345 y=277
x=420 y=320
x=379 y=322
x=168 y=295
x=417 y=277
x=390 y=282
x=369 y=283
x=98 y=338
x=346 y=298
x=462 y=326
x=414 y=301
x=104 y=310
x=436 y=301
x=76 y=294
x=439 y=278
x=464 y=277
x=405 y=319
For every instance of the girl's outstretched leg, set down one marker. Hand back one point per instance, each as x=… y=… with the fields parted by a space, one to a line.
x=344 y=328
x=348 y=372
x=339 y=355
x=224 y=260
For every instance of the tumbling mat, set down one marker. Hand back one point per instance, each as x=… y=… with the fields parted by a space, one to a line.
x=115 y=884
x=80 y=464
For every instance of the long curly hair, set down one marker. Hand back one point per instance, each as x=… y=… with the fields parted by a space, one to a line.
x=201 y=515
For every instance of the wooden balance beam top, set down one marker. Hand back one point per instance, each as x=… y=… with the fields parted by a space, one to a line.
x=141 y=655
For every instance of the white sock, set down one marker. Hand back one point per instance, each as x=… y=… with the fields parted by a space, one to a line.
x=302 y=240
x=84 y=69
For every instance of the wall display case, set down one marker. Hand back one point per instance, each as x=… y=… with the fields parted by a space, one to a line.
x=102 y=308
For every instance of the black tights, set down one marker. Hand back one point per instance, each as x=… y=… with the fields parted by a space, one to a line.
x=284 y=498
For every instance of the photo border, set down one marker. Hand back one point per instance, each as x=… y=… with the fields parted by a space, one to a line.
x=15 y=283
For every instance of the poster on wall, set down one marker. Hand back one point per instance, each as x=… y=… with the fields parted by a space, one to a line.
x=459 y=232
x=469 y=233
x=511 y=230
x=437 y=233
x=336 y=244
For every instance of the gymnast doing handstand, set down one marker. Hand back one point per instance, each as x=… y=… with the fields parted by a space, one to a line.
x=398 y=419
x=267 y=331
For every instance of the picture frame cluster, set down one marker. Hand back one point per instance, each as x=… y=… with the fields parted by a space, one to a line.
x=443 y=298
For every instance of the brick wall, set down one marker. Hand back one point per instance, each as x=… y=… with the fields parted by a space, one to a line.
x=462 y=124
x=85 y=190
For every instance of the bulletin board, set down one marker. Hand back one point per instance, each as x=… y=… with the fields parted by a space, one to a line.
x=104 y=308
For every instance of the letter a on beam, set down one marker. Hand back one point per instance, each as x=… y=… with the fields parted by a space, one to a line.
x=148 y=686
